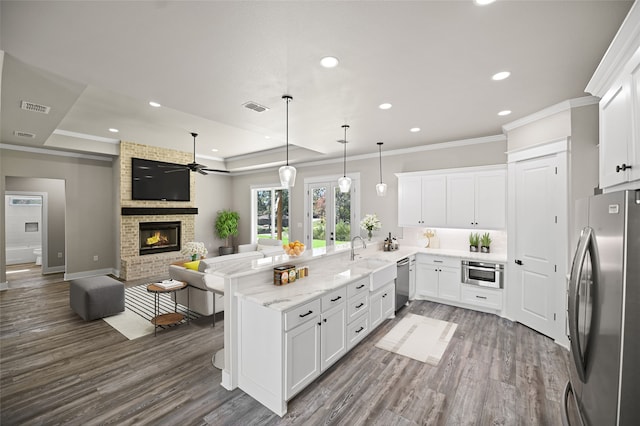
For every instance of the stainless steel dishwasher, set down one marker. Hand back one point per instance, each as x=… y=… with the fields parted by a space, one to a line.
x=402 y=283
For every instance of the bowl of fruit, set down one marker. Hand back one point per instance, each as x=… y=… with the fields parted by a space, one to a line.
x=295 y=248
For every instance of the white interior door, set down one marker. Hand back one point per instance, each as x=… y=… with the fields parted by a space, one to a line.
x=536 y=240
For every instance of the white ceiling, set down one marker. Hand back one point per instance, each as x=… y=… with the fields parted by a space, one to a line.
x=97 y=64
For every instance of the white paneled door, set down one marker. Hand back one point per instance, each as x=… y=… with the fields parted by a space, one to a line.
x=536 y=241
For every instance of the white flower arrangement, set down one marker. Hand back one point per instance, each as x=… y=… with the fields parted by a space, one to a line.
x=192 y=248
x=370 y=222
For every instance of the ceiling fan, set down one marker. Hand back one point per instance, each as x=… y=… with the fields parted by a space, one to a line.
x=200 y=168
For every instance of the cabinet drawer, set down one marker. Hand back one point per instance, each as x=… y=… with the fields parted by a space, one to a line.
x=301 y=314
x=357 y=305
x=334 y=298
x=357 y=331
x=453 y=262
x=357 y=287
x=489 y=298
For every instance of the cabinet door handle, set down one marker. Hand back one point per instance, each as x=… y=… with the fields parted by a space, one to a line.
x=360 y=306
x=320 y=323
x=622 y=168
x=325 y=320
x=437 y=261
x=360 y=286
x=384 y=295
x=518 y=262
x=359 y=330
x=336 y=299
x=481 y=297
x=304 y=315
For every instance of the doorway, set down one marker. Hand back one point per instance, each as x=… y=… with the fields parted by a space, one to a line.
x=537 y=235
x=331 y=215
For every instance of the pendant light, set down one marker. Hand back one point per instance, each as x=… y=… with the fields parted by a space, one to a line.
x=381 y=188
x=344 y=182
x=287 y=173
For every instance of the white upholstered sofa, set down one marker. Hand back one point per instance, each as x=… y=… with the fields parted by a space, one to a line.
x=201 y=299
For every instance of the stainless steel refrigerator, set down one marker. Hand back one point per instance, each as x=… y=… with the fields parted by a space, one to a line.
x=604 y=313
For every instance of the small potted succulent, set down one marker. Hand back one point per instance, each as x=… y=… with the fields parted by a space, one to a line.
x=474 y=240
x=485 y=242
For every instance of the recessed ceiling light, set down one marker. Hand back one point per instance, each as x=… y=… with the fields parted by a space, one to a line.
x=329 y=62
x=113 y=130
x=155 y=104
x=414 y=129
x=505 y=112
x=214 y=150
x=501 y=75
x=267 y=137
x=483 y=2
x=385 y=106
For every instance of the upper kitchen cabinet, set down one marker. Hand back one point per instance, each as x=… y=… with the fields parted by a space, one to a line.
x=473 y=197
x=422 y=200
x=477 y=200
x=617 y=83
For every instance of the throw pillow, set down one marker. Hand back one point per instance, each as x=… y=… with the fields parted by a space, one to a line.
x=192 y=265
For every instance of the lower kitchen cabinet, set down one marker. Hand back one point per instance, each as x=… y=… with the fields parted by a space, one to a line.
x=382 y=304
x=437 y=277
x=333 y=335
x=482 y=296
x=302 y=342
x=302 y=355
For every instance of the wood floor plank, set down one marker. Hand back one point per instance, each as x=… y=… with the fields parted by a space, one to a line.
x=56 y=368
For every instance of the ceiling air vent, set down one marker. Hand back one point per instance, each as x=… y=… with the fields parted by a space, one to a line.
x=22 y=134
x=30 y=106
x=255 y=106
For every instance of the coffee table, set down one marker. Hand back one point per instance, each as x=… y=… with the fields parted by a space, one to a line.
x=167 y=318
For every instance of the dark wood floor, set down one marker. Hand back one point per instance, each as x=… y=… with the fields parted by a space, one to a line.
x=57 y=369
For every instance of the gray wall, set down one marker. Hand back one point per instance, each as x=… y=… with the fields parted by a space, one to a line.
x=54 y=188
x=213 y=193
x=90 y=223
x=386 y=208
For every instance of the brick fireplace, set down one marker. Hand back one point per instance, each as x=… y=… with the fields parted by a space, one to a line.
x=133 y=264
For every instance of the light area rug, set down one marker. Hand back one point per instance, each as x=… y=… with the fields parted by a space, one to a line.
x=421 y=338
x=135 y=321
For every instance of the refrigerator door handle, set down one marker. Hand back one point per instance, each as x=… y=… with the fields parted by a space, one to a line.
x=574 y=289
x=565 y=409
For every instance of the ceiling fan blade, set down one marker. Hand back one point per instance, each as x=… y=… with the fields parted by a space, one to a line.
x=216 y=170
x=201 y=171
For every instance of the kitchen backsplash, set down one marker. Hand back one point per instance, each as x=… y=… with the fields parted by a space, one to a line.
x=454 y=239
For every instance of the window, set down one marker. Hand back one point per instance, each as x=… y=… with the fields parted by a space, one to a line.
x=270 y=213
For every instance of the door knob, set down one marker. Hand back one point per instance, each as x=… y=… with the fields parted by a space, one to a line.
x=518 y=262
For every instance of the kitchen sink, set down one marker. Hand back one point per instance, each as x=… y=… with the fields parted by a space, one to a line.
x=381 y=271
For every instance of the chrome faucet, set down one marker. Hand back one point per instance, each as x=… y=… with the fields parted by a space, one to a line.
x=353 y=251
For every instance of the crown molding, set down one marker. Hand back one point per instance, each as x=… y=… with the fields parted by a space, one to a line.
x=624 y=45
x=54 y=152
x=549 y=111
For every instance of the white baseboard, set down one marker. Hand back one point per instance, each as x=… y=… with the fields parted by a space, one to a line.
x=85 y=274
x=53 y=269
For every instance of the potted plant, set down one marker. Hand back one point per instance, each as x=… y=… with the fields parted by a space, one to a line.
x=474 y=239
x=485 y=242
x=227 y=227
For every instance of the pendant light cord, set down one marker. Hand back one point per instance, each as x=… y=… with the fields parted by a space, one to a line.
x=344 y=169
x=287 y=98
x=380 y=152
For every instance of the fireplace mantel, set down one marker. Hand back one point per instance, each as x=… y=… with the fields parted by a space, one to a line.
x=149 y=211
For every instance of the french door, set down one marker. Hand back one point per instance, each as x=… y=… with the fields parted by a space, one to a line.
x=331 y=215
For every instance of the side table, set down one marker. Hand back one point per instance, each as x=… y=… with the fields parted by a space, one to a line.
x=171 y=317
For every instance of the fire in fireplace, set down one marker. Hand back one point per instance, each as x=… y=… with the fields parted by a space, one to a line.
x=159 y=237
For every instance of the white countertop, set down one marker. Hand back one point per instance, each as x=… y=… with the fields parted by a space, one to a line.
x=328 y=271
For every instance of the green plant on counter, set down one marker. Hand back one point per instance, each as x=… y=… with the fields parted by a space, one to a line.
x=485 y=241
x=474 y=239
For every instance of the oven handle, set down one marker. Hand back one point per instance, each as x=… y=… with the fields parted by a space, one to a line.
x=481 y=268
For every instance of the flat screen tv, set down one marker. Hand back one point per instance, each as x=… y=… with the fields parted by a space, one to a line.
x=157 y=180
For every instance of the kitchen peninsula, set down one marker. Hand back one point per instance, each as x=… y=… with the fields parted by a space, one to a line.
x=278 y=339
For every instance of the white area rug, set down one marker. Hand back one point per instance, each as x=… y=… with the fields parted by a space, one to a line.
x=135 y=321
x=421 y=338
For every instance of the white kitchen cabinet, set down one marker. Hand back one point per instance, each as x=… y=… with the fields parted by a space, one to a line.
x=482 y=296
x=302 y=355
x=477 y=200
x=422 y=200
x=473 y=197
x=333 y=337
x=412 y=277
x=617 y=82
x=437 y=278
x=382 y=304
